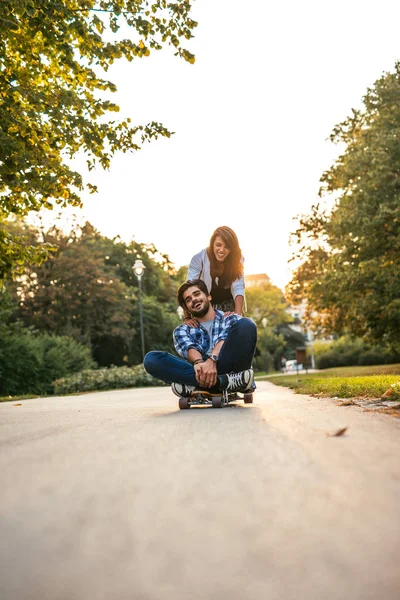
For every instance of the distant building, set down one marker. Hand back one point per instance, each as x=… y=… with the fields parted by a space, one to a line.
x=298 y=313
x=256 y=280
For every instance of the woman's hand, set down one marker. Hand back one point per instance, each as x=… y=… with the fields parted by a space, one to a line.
x=190 y=321
x=232 y=312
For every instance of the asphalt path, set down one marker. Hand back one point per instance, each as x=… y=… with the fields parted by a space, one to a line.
x=119 y=495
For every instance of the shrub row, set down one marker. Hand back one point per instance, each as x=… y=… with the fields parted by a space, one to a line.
x=105 y=379
x=349 y=352
x=30 y=363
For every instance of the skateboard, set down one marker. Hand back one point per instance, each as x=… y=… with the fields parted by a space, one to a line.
x=201 y=398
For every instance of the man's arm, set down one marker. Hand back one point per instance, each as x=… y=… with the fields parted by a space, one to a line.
x=194 y=355
x=197 y=361
x=208 y=374
x=229 y=320
x=183 y=342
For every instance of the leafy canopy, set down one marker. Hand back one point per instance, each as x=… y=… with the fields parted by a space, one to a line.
x=54 y=101
x=350 y=271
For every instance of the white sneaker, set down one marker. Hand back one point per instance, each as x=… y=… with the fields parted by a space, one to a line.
x=240 y=382
x=182 y=389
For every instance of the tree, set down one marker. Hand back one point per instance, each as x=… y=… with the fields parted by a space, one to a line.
x=267 y=301
x=87 y=290
x=54 y=102
x=277 y=338
x=350 y=271
x=75 y=293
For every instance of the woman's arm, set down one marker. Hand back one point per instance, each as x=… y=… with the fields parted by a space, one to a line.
x=237 y=289
x=239 y=305
x=195 y=267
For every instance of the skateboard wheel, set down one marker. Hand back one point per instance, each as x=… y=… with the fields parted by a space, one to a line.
x=183 y=403
x=218 y=402
x=248 y=398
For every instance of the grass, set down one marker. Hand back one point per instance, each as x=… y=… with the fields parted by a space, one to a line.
x=343 y=382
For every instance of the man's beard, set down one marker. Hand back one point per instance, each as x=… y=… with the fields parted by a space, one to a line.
x=202 y=311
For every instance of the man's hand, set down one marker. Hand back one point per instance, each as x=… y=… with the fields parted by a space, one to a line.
x=206 y=373
x=198 y=367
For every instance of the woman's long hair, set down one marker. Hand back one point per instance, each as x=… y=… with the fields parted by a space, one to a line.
x=233 y=267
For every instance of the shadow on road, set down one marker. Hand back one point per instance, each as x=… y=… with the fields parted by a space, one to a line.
x=229 y=409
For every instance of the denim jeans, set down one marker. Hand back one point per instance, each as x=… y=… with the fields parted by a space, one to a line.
x=236 y=355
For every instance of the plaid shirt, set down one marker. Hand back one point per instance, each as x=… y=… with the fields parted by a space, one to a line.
x=186 y=337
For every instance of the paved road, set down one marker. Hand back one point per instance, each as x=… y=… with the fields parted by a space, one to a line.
x=119 y=495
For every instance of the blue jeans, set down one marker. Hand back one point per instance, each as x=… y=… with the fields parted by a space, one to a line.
x=236 y=355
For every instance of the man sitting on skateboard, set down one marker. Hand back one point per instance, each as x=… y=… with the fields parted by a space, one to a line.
x=216 y=355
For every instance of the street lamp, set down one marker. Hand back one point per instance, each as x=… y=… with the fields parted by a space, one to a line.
x=310 y=343
x=138 y=268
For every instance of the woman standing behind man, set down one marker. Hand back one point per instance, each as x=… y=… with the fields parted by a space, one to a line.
x=220 y=266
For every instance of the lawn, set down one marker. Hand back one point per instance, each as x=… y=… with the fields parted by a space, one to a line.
x=343 y=382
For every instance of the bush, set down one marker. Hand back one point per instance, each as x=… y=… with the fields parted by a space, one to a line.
x=328 y=360
x=346 y=352
x=112 y=378
x=30 y=363
x=263 y=362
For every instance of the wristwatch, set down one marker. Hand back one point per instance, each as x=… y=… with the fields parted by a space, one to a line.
x=214 y=358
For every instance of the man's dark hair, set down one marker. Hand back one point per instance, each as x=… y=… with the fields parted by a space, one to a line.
x=194 y=282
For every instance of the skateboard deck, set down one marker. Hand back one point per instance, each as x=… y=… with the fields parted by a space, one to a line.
x=202 y=397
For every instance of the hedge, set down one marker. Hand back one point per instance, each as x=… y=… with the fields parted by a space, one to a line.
x=346 y=352
x=112 y=378
x=29 y=363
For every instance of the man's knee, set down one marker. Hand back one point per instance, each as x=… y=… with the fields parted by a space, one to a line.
x=151 y=360
x=247 y=325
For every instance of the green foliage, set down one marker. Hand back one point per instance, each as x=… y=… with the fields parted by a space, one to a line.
x=87 y=290
x=266 y=301
x=354 y=371
x=30 y=363
x=15 y=252
x=105 y=379
x=74 y=293
x=350 y=271
x=55 y=103
x=348 y=351
x=270 y=348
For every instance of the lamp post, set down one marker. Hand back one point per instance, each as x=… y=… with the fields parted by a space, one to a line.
x=264 y=322
x=310 y=343
x=138 y=268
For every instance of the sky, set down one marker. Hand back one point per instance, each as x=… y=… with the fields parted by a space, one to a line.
x=251 y=119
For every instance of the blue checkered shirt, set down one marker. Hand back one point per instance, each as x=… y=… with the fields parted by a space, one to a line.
x=186 y=337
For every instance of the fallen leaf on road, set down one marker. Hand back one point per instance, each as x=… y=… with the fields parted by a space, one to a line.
x=17 y=404
x=338 y=432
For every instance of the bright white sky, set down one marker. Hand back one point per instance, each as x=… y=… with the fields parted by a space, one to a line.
x=251 y=117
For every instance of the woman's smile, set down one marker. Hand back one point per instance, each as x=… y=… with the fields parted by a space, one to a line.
x=221 y=250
